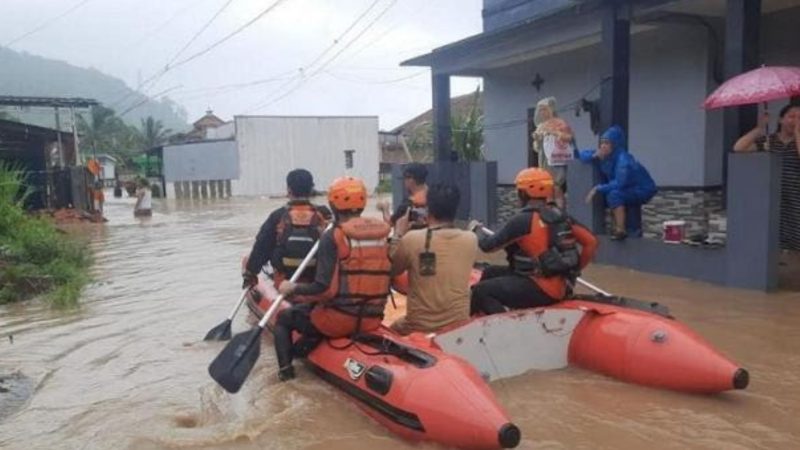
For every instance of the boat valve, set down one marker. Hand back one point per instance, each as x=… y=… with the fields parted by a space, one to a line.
x=659 y=336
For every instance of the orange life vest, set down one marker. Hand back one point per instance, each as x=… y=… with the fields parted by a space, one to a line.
x=364 y=267
x=93 y=166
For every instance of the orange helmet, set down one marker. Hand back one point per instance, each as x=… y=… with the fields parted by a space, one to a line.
x=535 y=182
x=347 y=194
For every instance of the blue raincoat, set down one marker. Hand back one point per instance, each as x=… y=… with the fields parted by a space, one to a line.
x=627 y=180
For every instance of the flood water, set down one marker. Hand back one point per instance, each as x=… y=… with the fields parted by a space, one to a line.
x=127 y=369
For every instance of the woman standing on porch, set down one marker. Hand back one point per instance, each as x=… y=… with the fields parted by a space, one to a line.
x=553 y=142
x=785 y=142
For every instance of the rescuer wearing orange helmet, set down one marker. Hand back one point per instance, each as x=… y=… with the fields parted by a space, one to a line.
x=351 y=284
x=546 y=251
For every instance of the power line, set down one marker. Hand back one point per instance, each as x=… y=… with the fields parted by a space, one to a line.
x=211 y=92
x=363 y=81
x=146 y=99
x=230 y=35
x=192 y=4
x=390 y=29
x=358 y=36
x=47 y=22
x=342 y=35
x=366 y=69
x=279 y=77
x=324 y=52
x=219 y=42
x=199 y=32
x=156 y=76
x=329 y=61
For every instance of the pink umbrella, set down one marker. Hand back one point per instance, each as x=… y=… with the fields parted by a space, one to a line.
x=756 y=86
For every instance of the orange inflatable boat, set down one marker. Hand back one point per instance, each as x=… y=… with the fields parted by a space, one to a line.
x=410 y=386
x=434 y=387
x=631 y=340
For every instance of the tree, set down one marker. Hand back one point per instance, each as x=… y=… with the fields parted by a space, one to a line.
x=420 y=142
x=105 y=132
x=467 y=132
x=153 y=133
x=6 y=116
x=101 y=130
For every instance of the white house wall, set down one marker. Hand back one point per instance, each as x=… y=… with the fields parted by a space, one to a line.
x=199 y=161
x=667 y=82
x=669 y=69
x=269 y=147
x=107 y=171
x=224 y=131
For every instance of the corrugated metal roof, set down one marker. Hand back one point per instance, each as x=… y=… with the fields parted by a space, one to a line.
x=66 y=102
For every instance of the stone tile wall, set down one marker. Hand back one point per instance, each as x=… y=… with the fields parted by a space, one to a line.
x=701 y=209
x=696 y=207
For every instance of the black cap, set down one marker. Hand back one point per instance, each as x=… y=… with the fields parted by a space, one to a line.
x=416 y=171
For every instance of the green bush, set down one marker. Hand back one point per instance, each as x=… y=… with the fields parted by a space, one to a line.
x=35 y=258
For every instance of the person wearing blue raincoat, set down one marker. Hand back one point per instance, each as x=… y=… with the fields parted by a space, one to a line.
x=627 y=181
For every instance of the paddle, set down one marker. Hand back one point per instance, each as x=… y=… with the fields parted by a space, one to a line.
x=222 y=332
x=579 y=279
x=233 y=364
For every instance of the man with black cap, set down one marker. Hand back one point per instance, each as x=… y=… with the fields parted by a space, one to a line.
x=412 y=212
x=288 y=234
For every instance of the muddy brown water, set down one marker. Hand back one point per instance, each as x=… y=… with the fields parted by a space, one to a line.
x=127 y=370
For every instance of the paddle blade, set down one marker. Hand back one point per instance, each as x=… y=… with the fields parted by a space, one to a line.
x=221 y=332
x=232 y=366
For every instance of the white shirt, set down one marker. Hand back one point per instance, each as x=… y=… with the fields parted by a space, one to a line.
x=146 y=198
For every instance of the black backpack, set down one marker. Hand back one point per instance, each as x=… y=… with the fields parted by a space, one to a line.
x=297 y=231
x=562 y=257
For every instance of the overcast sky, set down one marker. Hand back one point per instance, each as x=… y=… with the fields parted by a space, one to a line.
x=134 y=39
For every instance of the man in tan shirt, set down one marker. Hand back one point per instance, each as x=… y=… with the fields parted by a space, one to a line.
x=439 y=261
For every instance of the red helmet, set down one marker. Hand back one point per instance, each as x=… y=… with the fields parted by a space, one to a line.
x=535 y=182
x=347 y=194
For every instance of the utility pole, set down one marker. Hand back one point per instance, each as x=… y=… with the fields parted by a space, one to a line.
x=75 y=135
x=58 y=135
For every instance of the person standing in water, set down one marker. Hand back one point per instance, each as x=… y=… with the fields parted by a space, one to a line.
x=144 y=200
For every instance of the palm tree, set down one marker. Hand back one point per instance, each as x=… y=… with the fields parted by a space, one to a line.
x=102 y=130
x=466 y=134
x=153 y=133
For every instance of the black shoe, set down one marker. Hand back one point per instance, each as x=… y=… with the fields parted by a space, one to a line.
x=286 y=373
x=618 y=236
x=305 y=345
